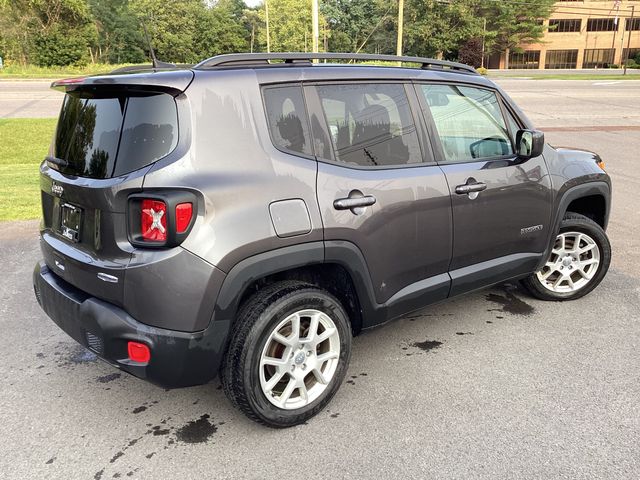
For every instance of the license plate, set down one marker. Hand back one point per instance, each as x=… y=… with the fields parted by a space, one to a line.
x=70 y=221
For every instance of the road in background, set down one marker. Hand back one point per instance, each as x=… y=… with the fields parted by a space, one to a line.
x=29 y=99
x=571 y=103
x=491 y=385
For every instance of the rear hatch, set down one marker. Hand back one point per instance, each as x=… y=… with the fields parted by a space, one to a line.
x=111 y=129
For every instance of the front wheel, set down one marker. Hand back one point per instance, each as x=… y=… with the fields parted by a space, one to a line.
x=578 y=261
x=288 y=355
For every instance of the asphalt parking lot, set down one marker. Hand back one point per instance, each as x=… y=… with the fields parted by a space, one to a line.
x=491 y=385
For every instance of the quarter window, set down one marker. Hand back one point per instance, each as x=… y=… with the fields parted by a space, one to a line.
x=370 y=124
x=287 y=119
x=468 y=121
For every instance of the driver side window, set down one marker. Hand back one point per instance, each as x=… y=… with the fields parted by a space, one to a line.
x=468 y=121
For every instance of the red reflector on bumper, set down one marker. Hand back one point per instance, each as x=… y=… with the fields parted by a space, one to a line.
x=138 y=352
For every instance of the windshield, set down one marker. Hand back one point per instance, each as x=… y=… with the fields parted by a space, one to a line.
x=105 y=137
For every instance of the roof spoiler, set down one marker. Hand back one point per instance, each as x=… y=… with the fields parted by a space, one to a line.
x=169 y=81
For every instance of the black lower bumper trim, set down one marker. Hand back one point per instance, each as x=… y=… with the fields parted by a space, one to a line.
x=178 y=359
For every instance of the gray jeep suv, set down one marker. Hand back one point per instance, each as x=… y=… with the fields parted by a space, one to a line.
x=246 y=216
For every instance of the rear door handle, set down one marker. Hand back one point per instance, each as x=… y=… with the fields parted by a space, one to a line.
x=470 y=188
x=354 y=202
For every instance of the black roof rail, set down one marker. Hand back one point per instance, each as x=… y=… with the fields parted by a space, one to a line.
x=264 y=59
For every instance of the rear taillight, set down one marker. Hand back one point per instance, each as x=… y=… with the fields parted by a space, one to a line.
x=161 y=218
x=153 y=220
x=184 y=212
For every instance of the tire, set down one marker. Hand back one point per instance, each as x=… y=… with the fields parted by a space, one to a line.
x=265 y=332
x=592 y=257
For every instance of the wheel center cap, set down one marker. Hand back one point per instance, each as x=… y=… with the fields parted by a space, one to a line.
x=299 y=358
x=567 y=261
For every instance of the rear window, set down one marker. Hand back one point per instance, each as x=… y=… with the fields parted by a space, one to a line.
x=105 y=137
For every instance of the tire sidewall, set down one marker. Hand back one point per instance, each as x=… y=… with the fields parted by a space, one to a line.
x=257 y=339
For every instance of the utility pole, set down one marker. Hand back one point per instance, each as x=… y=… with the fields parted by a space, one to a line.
x=266 y=18
x=484 y=34
x=626 y=60
x=314 y=20
x=400 y=27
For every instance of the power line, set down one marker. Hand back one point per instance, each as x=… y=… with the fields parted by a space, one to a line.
x=537 y=4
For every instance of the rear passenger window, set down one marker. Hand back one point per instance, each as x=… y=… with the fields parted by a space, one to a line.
x=468 y=121
x=287 y=119
x=370 y=124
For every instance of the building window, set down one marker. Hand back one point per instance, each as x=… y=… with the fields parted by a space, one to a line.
x=631 y=53
x=561 y=59
x=529 y=60
x=598 y=57
x=601 y=25
x=632 y=24
x=564 y=25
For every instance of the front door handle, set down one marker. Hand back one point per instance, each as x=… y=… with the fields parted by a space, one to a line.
x=351 y=203
x=470 y=188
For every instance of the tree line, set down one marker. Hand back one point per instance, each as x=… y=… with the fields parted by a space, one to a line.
x=77 y=32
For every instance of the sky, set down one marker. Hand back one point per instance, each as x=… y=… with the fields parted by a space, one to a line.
x=252 y=3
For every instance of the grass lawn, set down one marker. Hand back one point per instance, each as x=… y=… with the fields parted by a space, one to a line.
x=10 y=72
x=24 y=142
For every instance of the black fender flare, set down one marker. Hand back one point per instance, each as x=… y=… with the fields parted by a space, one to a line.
x=247 y=271
x=573 y=193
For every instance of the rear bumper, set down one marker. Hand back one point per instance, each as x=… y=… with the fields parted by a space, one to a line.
x=178 y=359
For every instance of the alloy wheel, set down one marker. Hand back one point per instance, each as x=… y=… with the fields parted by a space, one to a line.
x=573 y=263
x=299 y=359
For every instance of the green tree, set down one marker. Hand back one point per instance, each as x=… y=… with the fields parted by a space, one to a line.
x=433 y=27
x=186 y=31
x=352 y=22
x=47 y=32
x=254 y=24
x=171 y=26
x=510 y=24
x=221 y=30
x=289 y=25
x=120 y=39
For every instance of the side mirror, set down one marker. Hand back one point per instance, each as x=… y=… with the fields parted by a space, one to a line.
x=529 y=143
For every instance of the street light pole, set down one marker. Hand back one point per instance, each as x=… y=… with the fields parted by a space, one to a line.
x=314 y=20
x=266 y=18
x=626 y=60
x=400 y=27
x=484 y=34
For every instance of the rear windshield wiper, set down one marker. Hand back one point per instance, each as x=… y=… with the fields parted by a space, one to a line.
x=56 y=161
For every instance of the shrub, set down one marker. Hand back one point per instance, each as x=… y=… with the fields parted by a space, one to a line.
x=56 y=48
x=482 y=70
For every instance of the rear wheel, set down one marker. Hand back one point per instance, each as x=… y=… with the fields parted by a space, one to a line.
x=578 y=261
x=288 y=354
